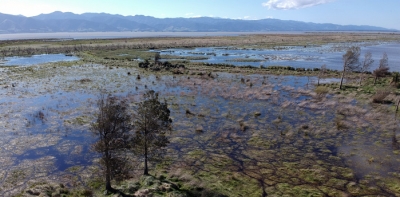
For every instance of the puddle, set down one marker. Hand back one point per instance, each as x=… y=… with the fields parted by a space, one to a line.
x=38 y=59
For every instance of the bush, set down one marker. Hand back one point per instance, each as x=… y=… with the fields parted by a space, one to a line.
x=321 y=90
x=86 y=193
x=380 y=96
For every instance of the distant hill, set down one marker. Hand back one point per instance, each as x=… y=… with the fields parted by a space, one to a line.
x=102 y=22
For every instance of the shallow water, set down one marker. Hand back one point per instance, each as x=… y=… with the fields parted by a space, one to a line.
x=294 y=56
x=292 y=126
x=38 y=59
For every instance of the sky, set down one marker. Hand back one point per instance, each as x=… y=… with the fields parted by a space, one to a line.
x=381 y=13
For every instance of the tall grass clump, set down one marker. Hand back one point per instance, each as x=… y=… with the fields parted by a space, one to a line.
x=380 y=96
x=321 y=91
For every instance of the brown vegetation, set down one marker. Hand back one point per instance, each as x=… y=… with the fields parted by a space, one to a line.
x=380 y=96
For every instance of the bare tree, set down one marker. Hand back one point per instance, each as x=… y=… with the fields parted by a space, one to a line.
x=366 y=64
x=383 y=67
x=112 y=129
x=151 y=123
x=350 y=62
x=321 y=73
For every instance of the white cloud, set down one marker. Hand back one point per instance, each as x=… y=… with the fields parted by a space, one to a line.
x=249 y=18
x=293 y=4
x=29 y=7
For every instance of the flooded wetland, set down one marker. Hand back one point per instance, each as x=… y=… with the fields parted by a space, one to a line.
x=243 y=123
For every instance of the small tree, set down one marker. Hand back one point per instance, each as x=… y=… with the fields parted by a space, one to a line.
x=112 y=129
x=151 y=122
x=383 y=67
x=350 y=62
x=366 y=64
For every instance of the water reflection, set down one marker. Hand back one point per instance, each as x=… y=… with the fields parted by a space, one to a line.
x=38 y=59
x=294 y=56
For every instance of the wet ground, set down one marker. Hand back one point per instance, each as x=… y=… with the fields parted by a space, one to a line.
x=244 y=133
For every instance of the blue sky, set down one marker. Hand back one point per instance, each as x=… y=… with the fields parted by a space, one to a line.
x=383 y=13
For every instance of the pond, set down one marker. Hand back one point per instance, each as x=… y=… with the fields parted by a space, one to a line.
x=313 y=56
x=37 y=59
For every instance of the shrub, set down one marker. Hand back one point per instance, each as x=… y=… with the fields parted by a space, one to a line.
x=321 y=90
x=86 y=192
x=380 y=96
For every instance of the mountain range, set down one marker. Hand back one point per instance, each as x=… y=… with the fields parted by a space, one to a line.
x=103 y=22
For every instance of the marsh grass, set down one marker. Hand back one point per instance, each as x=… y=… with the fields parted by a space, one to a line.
x=321 y=91
x=380 y=96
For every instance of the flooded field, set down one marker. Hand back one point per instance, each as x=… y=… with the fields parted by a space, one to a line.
x=236 y=131
x=307 y=56
x=246 y=134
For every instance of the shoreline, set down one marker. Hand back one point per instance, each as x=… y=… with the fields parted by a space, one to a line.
x=122 y=35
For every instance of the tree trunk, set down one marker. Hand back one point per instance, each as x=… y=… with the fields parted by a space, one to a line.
x=146 y=169
x=108 y=173
x=341 y=80
x=397 y=107
x=375 y=80
x=108 y=182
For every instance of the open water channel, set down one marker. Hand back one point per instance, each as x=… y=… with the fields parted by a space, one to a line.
x=294 y=56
